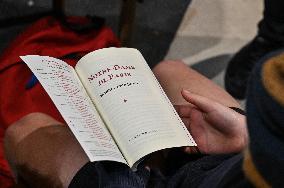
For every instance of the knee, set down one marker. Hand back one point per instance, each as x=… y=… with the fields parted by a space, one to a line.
x=26 y=125
x=15 y=130
x=168 y=66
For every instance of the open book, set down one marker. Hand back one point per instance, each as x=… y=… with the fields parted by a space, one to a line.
x=112 y=103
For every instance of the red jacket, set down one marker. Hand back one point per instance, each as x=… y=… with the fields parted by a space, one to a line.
x=45 y=37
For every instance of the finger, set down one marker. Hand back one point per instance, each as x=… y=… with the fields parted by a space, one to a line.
x=183 y=110
x=191 y=150
x=187 y=150
x=177 y=108
x=203 y=103
x=186 y=122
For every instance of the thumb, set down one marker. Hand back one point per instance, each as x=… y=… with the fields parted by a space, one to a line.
x=202 y=103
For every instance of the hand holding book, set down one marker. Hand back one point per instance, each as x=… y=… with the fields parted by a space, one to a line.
x=113 y=104
x=216 y=128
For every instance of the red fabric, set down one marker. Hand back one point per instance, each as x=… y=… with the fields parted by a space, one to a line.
x=45 y=37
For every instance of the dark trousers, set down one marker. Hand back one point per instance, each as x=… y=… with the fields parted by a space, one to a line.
x=272 y=24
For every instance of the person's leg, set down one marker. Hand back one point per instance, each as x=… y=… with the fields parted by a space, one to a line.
x=43 y=152
x=175 y=76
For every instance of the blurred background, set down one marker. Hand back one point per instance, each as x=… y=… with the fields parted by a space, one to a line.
x=202 y=33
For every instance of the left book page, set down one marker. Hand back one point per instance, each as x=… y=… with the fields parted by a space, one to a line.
x=69 y=96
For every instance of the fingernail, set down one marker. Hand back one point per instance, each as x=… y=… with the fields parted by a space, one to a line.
x=187 y=150
x=148 y=168
x=186 y=91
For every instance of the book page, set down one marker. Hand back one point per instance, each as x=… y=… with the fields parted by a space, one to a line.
x=66 y=91
x=136 y=110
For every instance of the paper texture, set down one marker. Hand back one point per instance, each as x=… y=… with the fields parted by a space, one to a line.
x=66 y=91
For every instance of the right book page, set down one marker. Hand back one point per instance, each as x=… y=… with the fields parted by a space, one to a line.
x=132 y=103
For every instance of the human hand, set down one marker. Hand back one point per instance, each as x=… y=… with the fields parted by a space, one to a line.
x=215 y=128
